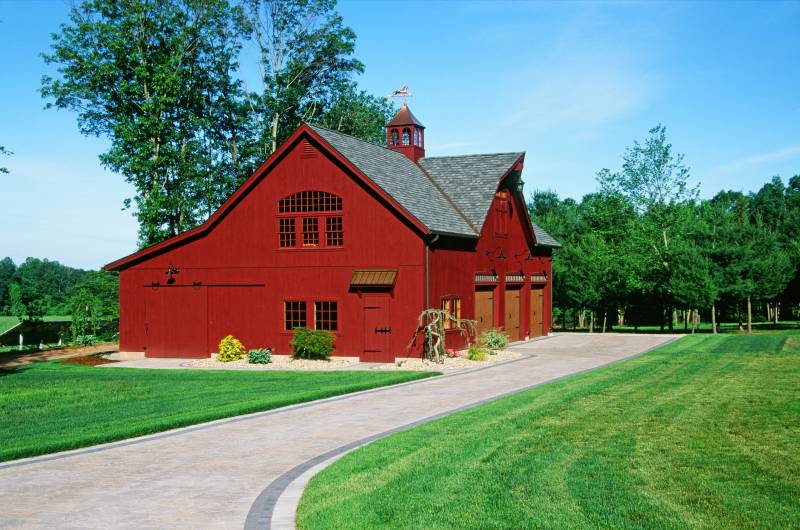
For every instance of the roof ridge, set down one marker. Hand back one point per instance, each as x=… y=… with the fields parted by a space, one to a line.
x=314 y=125
x=517 y=153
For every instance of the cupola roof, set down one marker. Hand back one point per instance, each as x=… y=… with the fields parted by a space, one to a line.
x=404 y=117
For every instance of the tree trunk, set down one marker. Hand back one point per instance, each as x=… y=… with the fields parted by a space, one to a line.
x=749 y=316
x=591 y=321
x=582 y=318
x=739 y=315
x=714 y=318
x=686 y=320
x=775 y=312
x=672 y=316
x=605 y=318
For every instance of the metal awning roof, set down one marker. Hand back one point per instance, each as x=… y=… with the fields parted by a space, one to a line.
x=373 y=278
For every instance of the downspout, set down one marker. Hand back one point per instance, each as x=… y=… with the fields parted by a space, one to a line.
x=428 y=271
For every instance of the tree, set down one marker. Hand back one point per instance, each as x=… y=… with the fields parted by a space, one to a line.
x=93 y=300
x=4 y=152
x=7 y=271
x=45 y=286
x=307 y=65
x=655 y=182
x=358 y=114
x=155 y=78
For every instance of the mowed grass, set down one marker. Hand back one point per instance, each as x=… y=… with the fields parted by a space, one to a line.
x=7 y=323
x=701 y=433
x=47 y=407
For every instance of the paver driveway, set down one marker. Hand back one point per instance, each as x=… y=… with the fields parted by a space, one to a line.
x=208 y=476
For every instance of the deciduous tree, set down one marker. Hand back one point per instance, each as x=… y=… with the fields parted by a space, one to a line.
x=155 y=79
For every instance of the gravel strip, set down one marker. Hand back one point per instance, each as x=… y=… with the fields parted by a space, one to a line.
x=284 y=362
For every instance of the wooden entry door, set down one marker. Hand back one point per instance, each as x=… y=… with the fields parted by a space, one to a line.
x=377 y=329
x=537 y=310
x=176 y=321
x=484 y=308
x=512 y=313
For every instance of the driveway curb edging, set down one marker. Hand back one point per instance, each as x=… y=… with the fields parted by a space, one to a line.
x=262 y=512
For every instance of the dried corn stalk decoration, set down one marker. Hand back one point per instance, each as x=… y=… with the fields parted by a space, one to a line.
x=431 y=325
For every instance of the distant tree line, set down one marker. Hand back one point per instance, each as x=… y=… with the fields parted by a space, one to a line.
x=41 y=287
x=160 y=80
x=644 y=250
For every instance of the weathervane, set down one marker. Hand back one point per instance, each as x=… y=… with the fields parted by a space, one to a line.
x=403 y=93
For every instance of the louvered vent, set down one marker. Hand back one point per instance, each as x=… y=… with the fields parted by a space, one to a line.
x=539 y=278
x=308 y=150
x=515 y=278
x=485 y=277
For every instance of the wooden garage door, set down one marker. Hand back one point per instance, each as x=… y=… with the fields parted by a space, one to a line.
x=537 y=310
x=512 y=313
x=175 y=321
x=484 y=308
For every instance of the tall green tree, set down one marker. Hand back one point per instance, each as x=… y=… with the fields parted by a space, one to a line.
x=7 y=271
x=155 y=78
x=307 y=64
x=655 y=181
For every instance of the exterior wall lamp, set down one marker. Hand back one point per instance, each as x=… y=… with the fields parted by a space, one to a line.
x=172 y=270
x=500 y=255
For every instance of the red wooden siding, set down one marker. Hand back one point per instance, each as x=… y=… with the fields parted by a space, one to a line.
x=236 y=271
x=252 y=276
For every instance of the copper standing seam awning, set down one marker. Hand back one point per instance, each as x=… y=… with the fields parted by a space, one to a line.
x=373 y=278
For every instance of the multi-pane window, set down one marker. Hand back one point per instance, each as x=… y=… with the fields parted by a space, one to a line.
x=406 y=137
x=302 y=217
x=334 y=233
x=310 y=201
x=310 y=232
x=286 y=232
x=326 y=315
x=294 y=314
x=452 y=305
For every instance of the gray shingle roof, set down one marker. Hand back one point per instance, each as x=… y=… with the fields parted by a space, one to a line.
x=470 y=180
x=543 y=238
x=402 y=179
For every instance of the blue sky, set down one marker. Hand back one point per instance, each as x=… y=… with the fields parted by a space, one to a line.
x=572 y=84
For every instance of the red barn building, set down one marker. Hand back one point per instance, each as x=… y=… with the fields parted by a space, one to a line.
x=335 y=233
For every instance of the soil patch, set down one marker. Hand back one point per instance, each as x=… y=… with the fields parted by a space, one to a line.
x=88 y=360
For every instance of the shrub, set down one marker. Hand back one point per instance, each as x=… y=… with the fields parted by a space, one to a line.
x=311 y=343
x=85 y=340
x=259 y=356
x=494 y=340
x=230 y=349
x=476 y=353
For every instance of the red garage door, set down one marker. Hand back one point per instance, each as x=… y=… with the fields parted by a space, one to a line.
x=175 y=321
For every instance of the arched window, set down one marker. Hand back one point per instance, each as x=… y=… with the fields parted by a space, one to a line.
x=395 y=140
x=310 y=219
x=416 y=137
x=406 y=137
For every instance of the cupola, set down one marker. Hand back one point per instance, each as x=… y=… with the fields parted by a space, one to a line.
x=405 y=134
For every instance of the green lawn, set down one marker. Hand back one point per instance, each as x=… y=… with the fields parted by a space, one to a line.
x=784 y=327
x=48 y=407
x=7 y=323
x=701 y=433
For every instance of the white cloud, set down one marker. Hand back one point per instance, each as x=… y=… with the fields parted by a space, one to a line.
x=786 y=153
x=580 y=98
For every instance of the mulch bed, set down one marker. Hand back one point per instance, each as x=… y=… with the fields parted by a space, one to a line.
x=89 y=360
